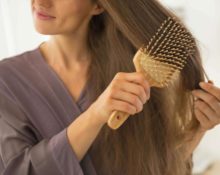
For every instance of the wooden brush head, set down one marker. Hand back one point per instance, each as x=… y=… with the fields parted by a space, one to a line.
x=162 y=59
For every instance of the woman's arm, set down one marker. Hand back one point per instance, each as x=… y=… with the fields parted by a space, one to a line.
x=207 y=112
x=23 y=153
x=127 y=93
x=191 y=145
x=83 y=131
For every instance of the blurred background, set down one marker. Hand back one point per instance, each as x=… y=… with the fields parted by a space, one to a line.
x=203 y=19
x=17 y=35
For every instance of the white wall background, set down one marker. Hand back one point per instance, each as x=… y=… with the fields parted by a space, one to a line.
x=202 y=16
x=17 y=33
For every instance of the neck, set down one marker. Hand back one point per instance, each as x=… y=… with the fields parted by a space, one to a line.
x=67 y=51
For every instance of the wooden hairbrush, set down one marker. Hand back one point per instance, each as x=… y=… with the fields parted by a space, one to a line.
x=161 y=60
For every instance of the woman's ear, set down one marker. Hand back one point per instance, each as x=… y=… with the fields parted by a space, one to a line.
x=97 y=9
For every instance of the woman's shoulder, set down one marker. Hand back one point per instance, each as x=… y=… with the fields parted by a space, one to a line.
x=16 y=59
x=14 y=64
x=15 y=71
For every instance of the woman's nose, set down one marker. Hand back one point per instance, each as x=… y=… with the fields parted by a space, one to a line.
x=42 y=3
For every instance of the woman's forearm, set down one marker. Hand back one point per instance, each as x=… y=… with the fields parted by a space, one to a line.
x=193 y=142
x=82 y=132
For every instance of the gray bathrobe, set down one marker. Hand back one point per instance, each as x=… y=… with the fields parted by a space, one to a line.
x=35 y=110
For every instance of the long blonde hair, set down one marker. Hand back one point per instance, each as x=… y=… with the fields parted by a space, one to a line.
x=147 y=143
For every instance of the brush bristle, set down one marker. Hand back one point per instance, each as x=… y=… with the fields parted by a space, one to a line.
x=167 y=52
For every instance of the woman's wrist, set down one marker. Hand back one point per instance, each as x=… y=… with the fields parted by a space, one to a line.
x=193 y=142
x=82 y=132
x=201 y=131
x=94 y=117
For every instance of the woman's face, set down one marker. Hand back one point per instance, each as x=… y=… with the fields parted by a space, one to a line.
x=52 y=17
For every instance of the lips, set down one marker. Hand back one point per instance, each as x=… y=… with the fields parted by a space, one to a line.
x=43 y=15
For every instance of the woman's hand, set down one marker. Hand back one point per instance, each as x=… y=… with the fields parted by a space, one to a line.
x=127 y=92
x=207 y=106
x=207 y=112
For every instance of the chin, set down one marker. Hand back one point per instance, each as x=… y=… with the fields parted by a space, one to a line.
x=45 y=30
x=45 y=27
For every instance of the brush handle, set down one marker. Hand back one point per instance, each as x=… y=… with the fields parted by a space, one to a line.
x=116 y=119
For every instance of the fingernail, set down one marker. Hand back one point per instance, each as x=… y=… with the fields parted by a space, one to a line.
x=194 y=93
x=211 y=82
x=195 y=99
x=205 y=85
x=147 y=83
x=202 y=84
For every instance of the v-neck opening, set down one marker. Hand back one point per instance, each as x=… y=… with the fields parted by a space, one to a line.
x=83 y=91
x=74 y=108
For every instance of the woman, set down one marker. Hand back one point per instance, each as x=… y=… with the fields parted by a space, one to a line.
x=56 y=99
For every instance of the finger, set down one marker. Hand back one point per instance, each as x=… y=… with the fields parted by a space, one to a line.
x=207 y=111
x=203 y=120
x=133 y=88
x=201 y=117
x=211 y=100
x=128 y=98
x=215 y=91
x=136 y=77
x=122 y=106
